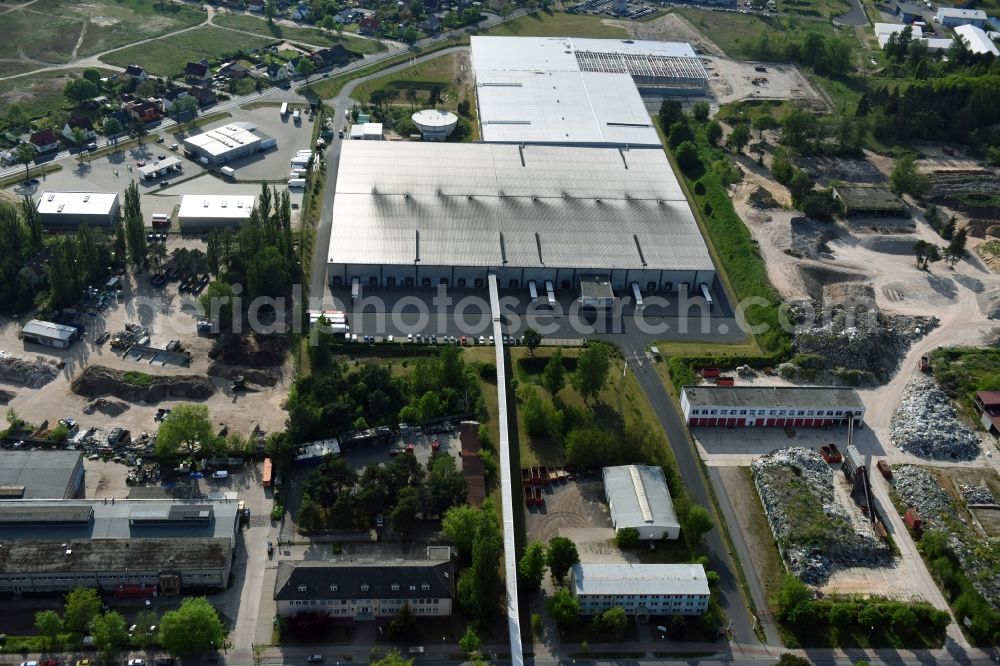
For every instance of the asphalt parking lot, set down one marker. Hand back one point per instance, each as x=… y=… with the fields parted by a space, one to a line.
x=271 y=165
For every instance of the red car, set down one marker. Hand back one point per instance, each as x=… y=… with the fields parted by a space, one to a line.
x=49 y=662
x=465 y=340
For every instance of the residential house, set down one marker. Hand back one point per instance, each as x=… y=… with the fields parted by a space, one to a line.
x=335 y=55
x=234 y=4
x=300 y=12
x=365 y=590
x=348 y=15
x=203 y=94
x=234 y=70
x=166 y=102
x=136 y=72
x=44 y=140
x=84 y=124
x=431 y=24
x=144 y=112
x=197 y=72
x=369 y=25
x=256 y=6
x=280 y=72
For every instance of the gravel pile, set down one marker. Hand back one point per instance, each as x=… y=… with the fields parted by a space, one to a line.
x=859 y=343
x=814 y=531
x=977 y=493
x=925 y=424
x=33 y=374
x=979 y=556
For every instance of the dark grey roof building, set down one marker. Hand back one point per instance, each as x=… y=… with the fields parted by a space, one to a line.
x=40 y=474
x=365 y=590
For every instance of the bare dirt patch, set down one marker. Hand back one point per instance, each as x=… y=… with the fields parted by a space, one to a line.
x=98 y=380
x=669 y=28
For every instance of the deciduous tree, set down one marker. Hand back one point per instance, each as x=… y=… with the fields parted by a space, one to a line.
x=110 y=633
x=560 y=556
x=554 y=374
x=532 y=565
x=82 y=606
x=591 y=371
x=193 y=628
x=49 y=624
x=185 y=428
x=563 y=607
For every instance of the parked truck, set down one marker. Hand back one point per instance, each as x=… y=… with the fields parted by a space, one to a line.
x=267 y=473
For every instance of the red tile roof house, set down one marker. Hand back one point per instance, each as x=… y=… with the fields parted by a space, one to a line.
x=197 y=72
x=45 y=140
x=144 y=112
x=89 y=134
x=369 y=25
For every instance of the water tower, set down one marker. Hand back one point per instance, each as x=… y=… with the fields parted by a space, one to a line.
x=435 y=125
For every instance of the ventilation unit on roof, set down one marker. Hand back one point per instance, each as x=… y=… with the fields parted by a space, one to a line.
x=51 y=197
x=61 y=206
x=224 y=203
x=239 y=204
x=204 y=203
x=86 y=198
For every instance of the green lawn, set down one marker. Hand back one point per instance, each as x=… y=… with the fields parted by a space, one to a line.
x=312 y=36
x=49 y=30
x=421 y=79
x=170 y=55
x=558 y=24
x=819 y=8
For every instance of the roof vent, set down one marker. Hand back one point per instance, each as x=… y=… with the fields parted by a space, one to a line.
x=60 y=209
x=204 y=203
x=69 y=551
x=86 y=198
x=50 y=197
x=224 y=203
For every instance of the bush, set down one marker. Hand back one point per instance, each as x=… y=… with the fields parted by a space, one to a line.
x=627 y=537
x=699 y=188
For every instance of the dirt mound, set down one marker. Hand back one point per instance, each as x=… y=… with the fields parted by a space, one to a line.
x=258 y=351
x=106 y=407
x=98 y=380
x=253 y=375
x=816 y=277
x=33 y=374
x=762 y=199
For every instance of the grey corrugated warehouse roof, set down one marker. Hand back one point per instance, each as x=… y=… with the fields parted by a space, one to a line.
x=43 y=474
x=628 y=494
x=47 y=329
x=496 y=204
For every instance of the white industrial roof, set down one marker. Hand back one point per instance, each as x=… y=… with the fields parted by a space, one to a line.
x=639 y=497
x=159 y=165
x=372 y=129
x=496 y=204
x=216 y=206
x=77 y=203
x=962 y=13
x=47 y=329
x=222 y=140
x=937 y=44
x=573 y=91
x=884 y=30
x=631 y=579
x=976 y=39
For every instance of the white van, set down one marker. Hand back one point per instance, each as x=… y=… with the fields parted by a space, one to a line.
x=221 y=474
x=297 y=182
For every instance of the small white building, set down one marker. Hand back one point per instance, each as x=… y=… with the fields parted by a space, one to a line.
x=639 y=498
x=70 y=209
x=214 y=211
x=372 y=131
x=641 y=589
x=48 y=334
x=227 y=143
x=884 y=30
x=770 y=406
x=952 y=16
x=435 y=125
x=976 y=39
x=158 y=168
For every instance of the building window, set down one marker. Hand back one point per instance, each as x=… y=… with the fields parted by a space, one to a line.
x=395 y=587
x=333 y=588
x=302 y=588
x=715 y=411
x=425 y=587
x=773 y=412
x=413 y=588
x=743 y=412
x=364 y=587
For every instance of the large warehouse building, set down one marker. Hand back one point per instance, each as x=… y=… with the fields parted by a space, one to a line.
x=639 y=498
x=418 y=214
x=576 y=91
x=224 y=144
x=214 y=211
x=40 y=474
x=126 y=547
x=763 y=406
x=70 y=209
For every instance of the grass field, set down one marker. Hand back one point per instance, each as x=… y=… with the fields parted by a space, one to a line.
x=312 y=36
x=558 y=24
x=38 y=94
x=822 y=8
x=421 y=79
x=49 y=30
x=170 y=55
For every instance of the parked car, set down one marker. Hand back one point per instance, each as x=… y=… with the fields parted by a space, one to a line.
x=221 y=474
x=136 y=662
x=314 y=659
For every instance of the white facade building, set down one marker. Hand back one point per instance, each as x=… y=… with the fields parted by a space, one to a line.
x=365 y=590
x=953 y=16
x=770 y=406
x=639 y=498
x=641 y=589
x=97 y=209
x=884 y=30
x=213 y=211
x=977 y=40
x=227 y=143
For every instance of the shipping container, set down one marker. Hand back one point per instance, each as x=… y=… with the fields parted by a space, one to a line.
x=284 y=109
x=266 y=475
